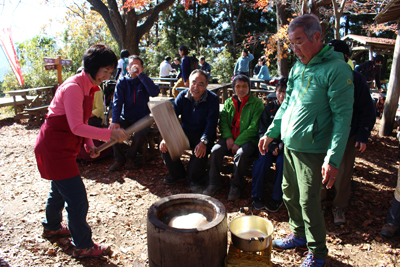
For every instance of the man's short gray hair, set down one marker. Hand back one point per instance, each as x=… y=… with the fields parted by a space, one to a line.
x=200 y=72
x=309 y=23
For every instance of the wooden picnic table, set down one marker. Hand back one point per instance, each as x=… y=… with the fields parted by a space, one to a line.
x=257 y=82
x=171 y=83
x=36 y=107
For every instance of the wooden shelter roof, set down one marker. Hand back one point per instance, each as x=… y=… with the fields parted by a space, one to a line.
x=390 y=13
x=362 y=43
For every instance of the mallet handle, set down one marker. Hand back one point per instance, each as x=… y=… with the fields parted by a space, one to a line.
x=137 y=126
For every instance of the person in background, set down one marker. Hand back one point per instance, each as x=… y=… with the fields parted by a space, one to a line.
x=242 y=64
x=205 y=66
x=199 y=111
x=264 y=73
x=380 y=105
x=59 y=141
x=257 y=67
x=372 y=71
x=166 y=68
x=176 y=66
x=183 y=80
x=314 y=123
x=350 y=62
x=130 y=105
x=122 y=64
x=239 y=135
x=362 y=123
x=262 y=166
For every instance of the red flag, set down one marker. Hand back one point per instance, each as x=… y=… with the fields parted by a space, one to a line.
x=8 y=48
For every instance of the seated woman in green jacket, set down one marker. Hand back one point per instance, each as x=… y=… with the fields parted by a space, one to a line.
x=239 y=136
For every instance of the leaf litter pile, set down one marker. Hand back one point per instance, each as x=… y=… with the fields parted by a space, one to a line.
x=118 y=204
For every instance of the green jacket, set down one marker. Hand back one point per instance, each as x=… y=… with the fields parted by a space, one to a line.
x=249 y=118
x=316 y=114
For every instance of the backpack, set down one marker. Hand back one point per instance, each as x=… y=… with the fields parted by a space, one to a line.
x=124 y=71
x=193 y=63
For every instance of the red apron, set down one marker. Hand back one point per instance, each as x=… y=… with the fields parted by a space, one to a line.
x=56 y=146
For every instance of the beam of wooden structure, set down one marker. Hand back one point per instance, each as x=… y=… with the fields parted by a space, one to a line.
x=393 y=93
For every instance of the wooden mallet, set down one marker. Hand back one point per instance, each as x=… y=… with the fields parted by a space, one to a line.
x=168 y=125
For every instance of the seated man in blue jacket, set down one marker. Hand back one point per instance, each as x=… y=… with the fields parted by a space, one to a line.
x=130 y=105
x=199 y=111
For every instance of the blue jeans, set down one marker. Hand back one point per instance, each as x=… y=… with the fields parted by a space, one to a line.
x=261 y=169
x=393 y=216
x=72 y=192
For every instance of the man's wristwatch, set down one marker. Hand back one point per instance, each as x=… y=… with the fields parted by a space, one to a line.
x=204 y=140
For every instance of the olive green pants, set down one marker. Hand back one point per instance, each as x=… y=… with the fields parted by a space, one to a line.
x=301 y=186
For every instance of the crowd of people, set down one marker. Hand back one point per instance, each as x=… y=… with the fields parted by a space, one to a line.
x=323 y=114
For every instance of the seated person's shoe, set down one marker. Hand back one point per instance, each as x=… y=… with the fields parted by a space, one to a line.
x=130 y=164
x=290 y=242
x=171 y=180
x=257 y=203
x=63 y=231
x=274 y=205
x=390 y=230
x=311 y=261
x=117 y=165
x=98 y=250
x=211 y=190
x=234 y=193
x=338 y=216
x=196 y=188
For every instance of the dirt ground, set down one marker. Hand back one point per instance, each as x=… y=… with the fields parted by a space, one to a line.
x=119 y=202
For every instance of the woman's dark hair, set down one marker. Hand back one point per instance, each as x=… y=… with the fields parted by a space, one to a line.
x=98 y=56
x=184 y=49
x=263 y=60
x=125 y=53
x=240 y=77
x=281 y=83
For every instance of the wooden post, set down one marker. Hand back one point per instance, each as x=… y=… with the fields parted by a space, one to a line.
x=59 y=67
x=392 y=97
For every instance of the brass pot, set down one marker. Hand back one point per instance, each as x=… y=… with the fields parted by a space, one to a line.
x=251 y=233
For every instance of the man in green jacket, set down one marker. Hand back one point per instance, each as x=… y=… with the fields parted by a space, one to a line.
x=239 y=134
x=314 y=123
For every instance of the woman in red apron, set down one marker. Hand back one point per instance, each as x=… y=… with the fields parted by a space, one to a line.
x=60 y=139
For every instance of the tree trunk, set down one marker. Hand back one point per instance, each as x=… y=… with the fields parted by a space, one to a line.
x=391 y=103
x=281 y=19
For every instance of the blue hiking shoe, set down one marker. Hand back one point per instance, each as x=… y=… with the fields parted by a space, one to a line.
x=311 y=261
x=289 y=242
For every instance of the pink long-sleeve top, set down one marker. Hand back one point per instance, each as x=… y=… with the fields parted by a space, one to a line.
x=68 y=100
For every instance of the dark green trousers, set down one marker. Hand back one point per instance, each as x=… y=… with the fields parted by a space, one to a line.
x=301 y=186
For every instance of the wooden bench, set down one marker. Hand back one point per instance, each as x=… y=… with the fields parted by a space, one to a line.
x=36 y=113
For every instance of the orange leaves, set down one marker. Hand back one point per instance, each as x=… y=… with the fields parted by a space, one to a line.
x=132 y=4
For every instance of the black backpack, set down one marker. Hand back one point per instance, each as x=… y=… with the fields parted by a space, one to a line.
x=194 y=63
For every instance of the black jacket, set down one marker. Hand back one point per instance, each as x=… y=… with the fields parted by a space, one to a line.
x=363 y=119
x=266 y=119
